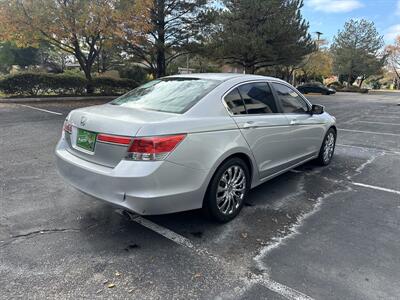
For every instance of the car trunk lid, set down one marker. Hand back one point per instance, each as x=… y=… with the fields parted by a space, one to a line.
x=112 y=120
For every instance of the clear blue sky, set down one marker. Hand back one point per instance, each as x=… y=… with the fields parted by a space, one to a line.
x=328 y=16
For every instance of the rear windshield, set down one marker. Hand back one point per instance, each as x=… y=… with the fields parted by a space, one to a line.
x=175 y=95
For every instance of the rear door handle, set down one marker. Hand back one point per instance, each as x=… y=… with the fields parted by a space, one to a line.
x=293 y=122
x=249 y=124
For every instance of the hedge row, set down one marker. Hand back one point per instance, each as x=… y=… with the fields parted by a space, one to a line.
x=353 y=89
x=42 y=84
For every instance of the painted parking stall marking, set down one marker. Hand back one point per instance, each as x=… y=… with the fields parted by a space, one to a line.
x=376 y=188
x=41 y=109
x=369 y=149
x=171 y=235
x=380 y=123
x=369 y=132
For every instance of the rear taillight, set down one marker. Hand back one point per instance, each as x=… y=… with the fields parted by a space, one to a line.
x=67 y=127
x=153 y=148
x=114 y=139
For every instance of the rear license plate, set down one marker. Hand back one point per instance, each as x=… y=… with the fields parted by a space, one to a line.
x=86 y=139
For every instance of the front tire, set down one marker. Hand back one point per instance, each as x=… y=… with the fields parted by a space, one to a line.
x=327 y=148
x=227 y=191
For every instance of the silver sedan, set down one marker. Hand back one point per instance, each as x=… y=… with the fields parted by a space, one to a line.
x=192 y=141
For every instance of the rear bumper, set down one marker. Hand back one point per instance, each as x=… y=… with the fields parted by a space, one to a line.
x=146 y=188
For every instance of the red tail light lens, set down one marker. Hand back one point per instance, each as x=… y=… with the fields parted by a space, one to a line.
x=67 y=127
x=153 y=148
x=114 y=139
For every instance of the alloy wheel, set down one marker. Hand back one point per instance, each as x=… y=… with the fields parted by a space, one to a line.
x=231 y=190
x=329 y=146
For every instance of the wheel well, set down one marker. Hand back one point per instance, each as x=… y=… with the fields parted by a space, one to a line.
x=240 y=155
x=334 y=128
x=246 y=159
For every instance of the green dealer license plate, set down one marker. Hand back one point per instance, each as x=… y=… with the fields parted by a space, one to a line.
x=86 y=139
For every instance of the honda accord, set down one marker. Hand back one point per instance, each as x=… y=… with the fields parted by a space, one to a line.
x=192 y=141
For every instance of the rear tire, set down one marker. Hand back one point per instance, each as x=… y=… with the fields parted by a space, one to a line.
x=227 y=191
x=327 y=148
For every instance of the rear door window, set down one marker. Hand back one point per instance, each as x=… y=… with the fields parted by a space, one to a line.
x=258 y=98
x=235 y=103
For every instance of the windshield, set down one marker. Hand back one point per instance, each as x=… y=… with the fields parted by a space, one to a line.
x=175 y=95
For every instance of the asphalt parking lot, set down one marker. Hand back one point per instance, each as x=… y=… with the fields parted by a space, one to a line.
x=312 y=233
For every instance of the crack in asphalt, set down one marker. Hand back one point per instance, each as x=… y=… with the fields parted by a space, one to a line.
x=13 y=238
x=34 y=233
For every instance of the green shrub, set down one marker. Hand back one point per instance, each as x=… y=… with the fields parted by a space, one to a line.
x=23 y=84
x=69 y=84
x=35 y=84
x=353 y=89
x=111 y=86
x=336 y=85
x=134 y=73
x=42 y=84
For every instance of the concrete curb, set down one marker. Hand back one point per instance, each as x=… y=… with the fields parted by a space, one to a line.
x=56 y=99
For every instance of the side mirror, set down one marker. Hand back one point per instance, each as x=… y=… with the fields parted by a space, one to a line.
x=317 y=109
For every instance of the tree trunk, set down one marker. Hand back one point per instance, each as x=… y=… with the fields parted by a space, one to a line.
x=249 y=68
x=361 y=81
x=86 y=66
x=349 y=80
x=160 y=42
x=161 y=69
x=88 y=75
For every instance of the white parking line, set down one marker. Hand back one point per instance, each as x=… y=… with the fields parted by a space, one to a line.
x=376 y=188
x=283 y=290
x=381 y=123
x=370 y=149
x=370 y=132
x=169 y=234
x=384 y=116
x=41 y=109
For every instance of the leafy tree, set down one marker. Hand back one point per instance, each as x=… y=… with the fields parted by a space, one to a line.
x=11 y=55
x=393 y=52
x=175 y=28
x=133 y=72
x=316 y=65
x=357 y=50
x=77 y=27
x=52 y=58
x=257 y=34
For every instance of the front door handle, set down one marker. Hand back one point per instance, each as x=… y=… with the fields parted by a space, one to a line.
x=249 y=124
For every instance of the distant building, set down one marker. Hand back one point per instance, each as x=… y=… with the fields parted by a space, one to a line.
x=72 y=66
x=232 y=69
x=186 y=71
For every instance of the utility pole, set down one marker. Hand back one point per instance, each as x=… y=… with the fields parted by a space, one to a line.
x=318 y=33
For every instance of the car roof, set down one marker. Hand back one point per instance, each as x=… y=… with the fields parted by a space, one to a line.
x=224 y=76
